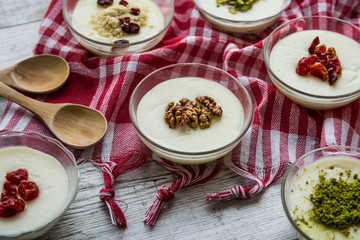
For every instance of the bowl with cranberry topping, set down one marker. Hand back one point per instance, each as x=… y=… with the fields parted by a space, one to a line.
x=311 y=61
x=118 y=27
x=39 y=179
x=190 y=113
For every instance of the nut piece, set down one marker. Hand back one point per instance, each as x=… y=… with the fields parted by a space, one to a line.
x=192 y=113
x=210 y=103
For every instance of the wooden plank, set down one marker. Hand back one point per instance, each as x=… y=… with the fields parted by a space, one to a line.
x=17 y=12
x=17 y=43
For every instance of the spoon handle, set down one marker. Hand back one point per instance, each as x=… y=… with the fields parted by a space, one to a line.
x=43 y=110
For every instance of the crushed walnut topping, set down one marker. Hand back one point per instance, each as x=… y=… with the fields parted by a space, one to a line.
x=192 y=113
x=119 y=19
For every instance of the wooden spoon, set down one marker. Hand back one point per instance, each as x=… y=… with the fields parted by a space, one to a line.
x=75 y=125
x=37 y=74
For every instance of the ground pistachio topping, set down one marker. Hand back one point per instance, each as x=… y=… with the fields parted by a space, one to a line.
x=336 y=202
x=237 y=5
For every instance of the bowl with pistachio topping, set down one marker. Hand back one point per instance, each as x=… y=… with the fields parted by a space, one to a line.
x=190 y=113
x=241 y=16
x=321 y=194
x=118 y=27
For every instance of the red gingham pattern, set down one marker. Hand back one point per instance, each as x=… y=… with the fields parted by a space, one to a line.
x=280 y=132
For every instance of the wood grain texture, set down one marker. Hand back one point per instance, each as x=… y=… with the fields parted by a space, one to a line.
x=188 y=216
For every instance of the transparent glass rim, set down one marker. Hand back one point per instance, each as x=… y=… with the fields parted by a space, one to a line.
x=71 y=196
x=267 y=63
x=124 y=45
x=246 y=125
x=243 y=21
x=285 y=178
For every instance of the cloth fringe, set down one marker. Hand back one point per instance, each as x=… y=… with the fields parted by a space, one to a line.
x=111 y=170
x=190 y=174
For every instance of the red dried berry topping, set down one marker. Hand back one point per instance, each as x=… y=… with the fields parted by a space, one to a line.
x=104 y=3
x=323 y=63
x=124 y=3
x=121 y=41
x=331 y=52
x=318 y=70
x=333 y=76
x=135 y=11
x=124 y=20
x=15 y=177
x=28 y=190
x=9 y=192
x=303 y=67
x=130 y=28
x=11 y=207
x=314 y=43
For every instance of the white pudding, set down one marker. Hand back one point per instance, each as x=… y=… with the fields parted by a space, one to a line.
x=52 y=180
x=303 y=186
x=287 y=52
x=222 y=131
x=103 y=23
x=268 y=10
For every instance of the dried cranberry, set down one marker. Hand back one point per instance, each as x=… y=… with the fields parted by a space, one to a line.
x=322 y=58
x=135 y=11
x=9 y=191
x=303 y=66
x=333 y=77
x=321 y=49
x=331 y=52
x=28 y=190
x=130 y=28
x=318 y=70
x=124 y=3
x=313 y=45
x=104 y=3
x=16 y=176
x=124 y=20
x=335 y=64
x=11 y=207
x=121 y=41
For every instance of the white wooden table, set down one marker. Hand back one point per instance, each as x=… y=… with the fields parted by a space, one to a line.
x=188 y=216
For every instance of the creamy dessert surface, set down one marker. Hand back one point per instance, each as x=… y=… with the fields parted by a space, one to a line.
x=288 y=51
x=103 y=23
x=151 y=112
x=52 y=180
x=303 y=185
x=261 y=9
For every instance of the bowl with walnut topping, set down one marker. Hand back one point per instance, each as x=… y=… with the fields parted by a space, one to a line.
x=118 y=27
x=39 y=180
x=311 y=61
x=190 y=113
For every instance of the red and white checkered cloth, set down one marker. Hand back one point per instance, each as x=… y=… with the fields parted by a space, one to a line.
x=280 y=132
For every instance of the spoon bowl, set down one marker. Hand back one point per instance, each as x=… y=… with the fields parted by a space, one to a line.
x=38 y=74
x=75 y=125
x=71 y=123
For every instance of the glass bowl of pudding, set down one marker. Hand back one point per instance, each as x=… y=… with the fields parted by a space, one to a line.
x=39 y=179
x=190 y=113
x=320 y=193
x=241 y=18
x=118 y=27
x=317 y=73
